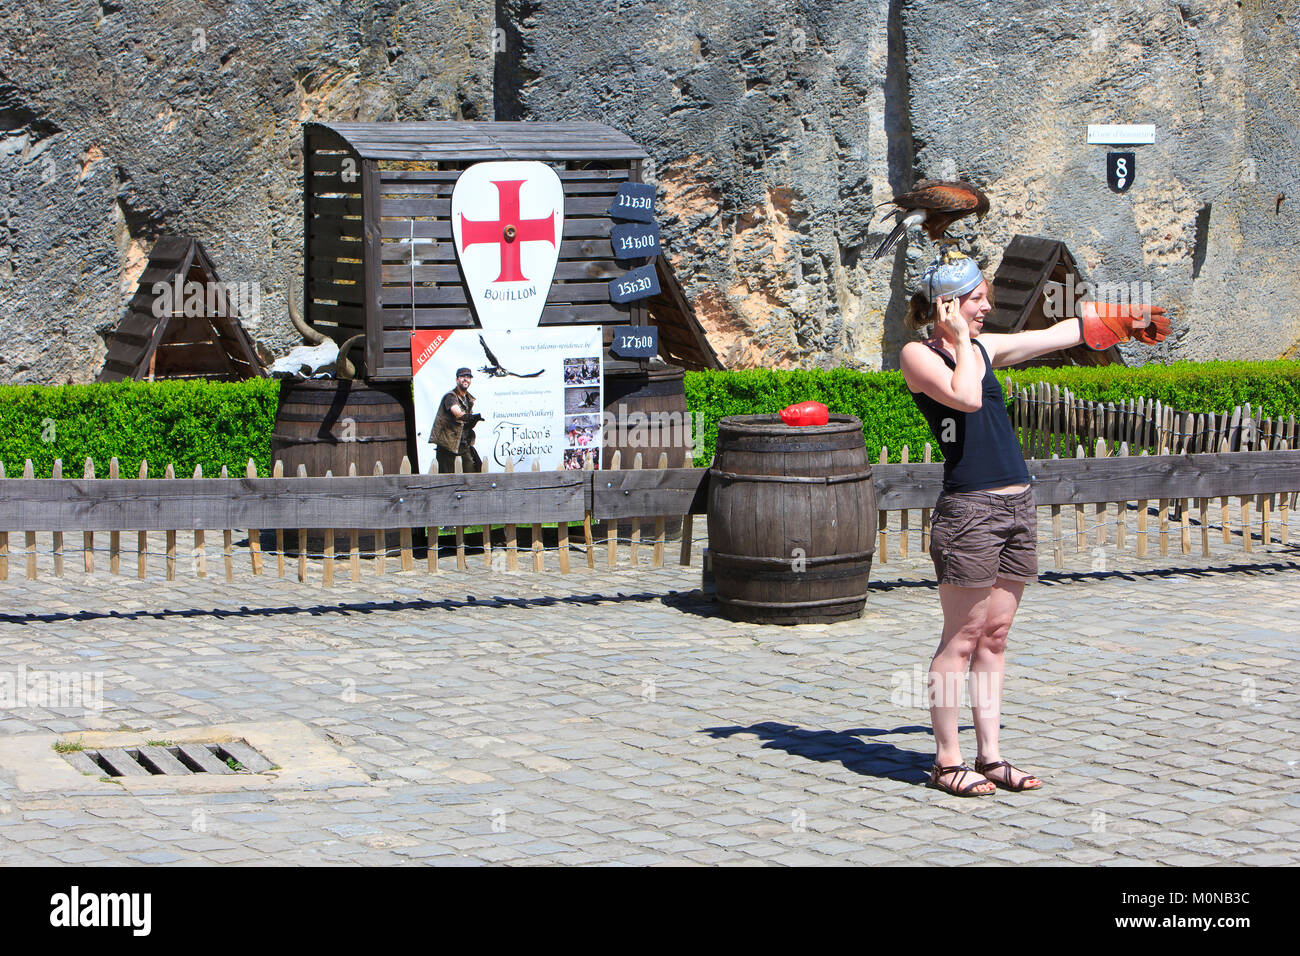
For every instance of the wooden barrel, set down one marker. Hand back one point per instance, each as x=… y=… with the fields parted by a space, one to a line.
x=792 y=520
x=645 y=413
x=330 y=424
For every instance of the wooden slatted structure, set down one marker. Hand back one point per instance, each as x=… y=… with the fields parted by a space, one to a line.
x=681 y=337
x=378 y=232
x=1019 y=296
x=210 y=345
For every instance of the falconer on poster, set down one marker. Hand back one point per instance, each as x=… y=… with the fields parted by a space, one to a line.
x=453 y=428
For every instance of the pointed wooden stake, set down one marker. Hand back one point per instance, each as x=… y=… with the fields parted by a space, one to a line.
x=227 y=541
x=142 y=538
x=57 y=536
x=169 y=473
x=354 y=541
x=114 y=537
x=538 y=553
x=200 y=548
x=302 y=538
x=88 y=537
x=254 y=534
x=381 y=536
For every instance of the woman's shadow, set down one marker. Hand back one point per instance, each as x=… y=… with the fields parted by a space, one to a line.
x=880 y=759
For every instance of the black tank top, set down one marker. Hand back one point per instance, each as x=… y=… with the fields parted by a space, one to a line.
x=982 y=451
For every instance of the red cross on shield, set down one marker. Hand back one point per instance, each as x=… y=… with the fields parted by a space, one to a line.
x=507 y=221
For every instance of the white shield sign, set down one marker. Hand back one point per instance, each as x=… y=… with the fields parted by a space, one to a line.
x=508 y=220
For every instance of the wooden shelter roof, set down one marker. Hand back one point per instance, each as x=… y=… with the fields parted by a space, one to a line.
x=175 y=345
x=681 y=338
x=1019 y=292
x=474 y=142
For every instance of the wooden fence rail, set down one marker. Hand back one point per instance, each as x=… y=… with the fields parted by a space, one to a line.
x=371 y=506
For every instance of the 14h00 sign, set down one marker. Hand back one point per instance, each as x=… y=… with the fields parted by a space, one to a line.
x=507 y=222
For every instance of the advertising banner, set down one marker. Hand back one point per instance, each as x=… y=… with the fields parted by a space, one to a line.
x=539 y=392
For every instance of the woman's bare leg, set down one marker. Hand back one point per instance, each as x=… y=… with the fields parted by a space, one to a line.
x=987 y=668
x=964 y=611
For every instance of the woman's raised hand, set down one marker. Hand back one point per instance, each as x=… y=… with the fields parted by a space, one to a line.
x=950 y=319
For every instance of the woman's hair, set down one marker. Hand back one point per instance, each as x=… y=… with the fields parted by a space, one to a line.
x=921 y=311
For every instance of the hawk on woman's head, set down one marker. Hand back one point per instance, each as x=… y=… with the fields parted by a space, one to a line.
x=933 y=205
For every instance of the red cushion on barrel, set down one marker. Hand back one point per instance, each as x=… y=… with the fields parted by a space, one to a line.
x=805 y=413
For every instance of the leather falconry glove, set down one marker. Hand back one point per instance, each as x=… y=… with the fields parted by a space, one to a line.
x=1106 y=324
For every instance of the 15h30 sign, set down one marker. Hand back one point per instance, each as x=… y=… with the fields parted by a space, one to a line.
x=507 y=221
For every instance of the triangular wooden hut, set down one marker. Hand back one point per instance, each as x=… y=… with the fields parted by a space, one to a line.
x=681 y=338
x=1020 y=293
x=187 y=327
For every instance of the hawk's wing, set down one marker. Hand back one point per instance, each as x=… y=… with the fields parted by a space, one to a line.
x=491 y=358
x=941 y=196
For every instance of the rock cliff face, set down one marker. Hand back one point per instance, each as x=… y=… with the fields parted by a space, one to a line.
x=774 y=129
x=120 y=120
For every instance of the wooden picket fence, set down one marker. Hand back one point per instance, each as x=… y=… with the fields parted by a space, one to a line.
x=1181 y=487
x=175 y=506
x=1110 y=495
x=1051 y=420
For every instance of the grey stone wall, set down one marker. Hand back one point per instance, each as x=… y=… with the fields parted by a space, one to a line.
x=774 y=128
x=120 y=120
x=1003 y=93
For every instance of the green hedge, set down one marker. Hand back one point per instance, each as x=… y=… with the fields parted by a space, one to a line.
x=890 y=417
x=181 y=423
x=214 y=424
x=1189 y=386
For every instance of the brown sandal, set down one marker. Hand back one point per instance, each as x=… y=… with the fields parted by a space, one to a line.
x=1005 y=784
x=937 y=772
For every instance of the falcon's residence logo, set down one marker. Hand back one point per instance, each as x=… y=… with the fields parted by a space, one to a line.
x=77 y=909
x=1062 y=299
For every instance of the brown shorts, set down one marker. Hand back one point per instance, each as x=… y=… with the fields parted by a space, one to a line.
x=977 y=537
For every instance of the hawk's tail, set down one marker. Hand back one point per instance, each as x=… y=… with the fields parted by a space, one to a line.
x=911 y=220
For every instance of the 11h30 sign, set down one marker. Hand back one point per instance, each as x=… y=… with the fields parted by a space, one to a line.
x=507 y=221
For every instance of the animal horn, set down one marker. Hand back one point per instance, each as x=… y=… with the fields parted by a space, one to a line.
x=345 y=369
x=313 y=336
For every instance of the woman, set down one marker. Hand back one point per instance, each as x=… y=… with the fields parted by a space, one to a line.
x=984 y=537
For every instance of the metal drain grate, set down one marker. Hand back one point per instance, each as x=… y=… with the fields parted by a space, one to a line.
x=172 y=760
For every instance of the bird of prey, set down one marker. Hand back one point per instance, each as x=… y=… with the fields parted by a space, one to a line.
x=494 y=368
x=933 y=205
x=590 y=400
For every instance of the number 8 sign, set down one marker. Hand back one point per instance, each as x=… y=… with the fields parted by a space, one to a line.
x=1120 y=170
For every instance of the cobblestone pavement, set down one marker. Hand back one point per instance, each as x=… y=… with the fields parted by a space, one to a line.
x=614 y=717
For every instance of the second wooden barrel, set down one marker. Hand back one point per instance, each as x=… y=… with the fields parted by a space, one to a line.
x=329 y=424
x=645 y=414
x=792 y=520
